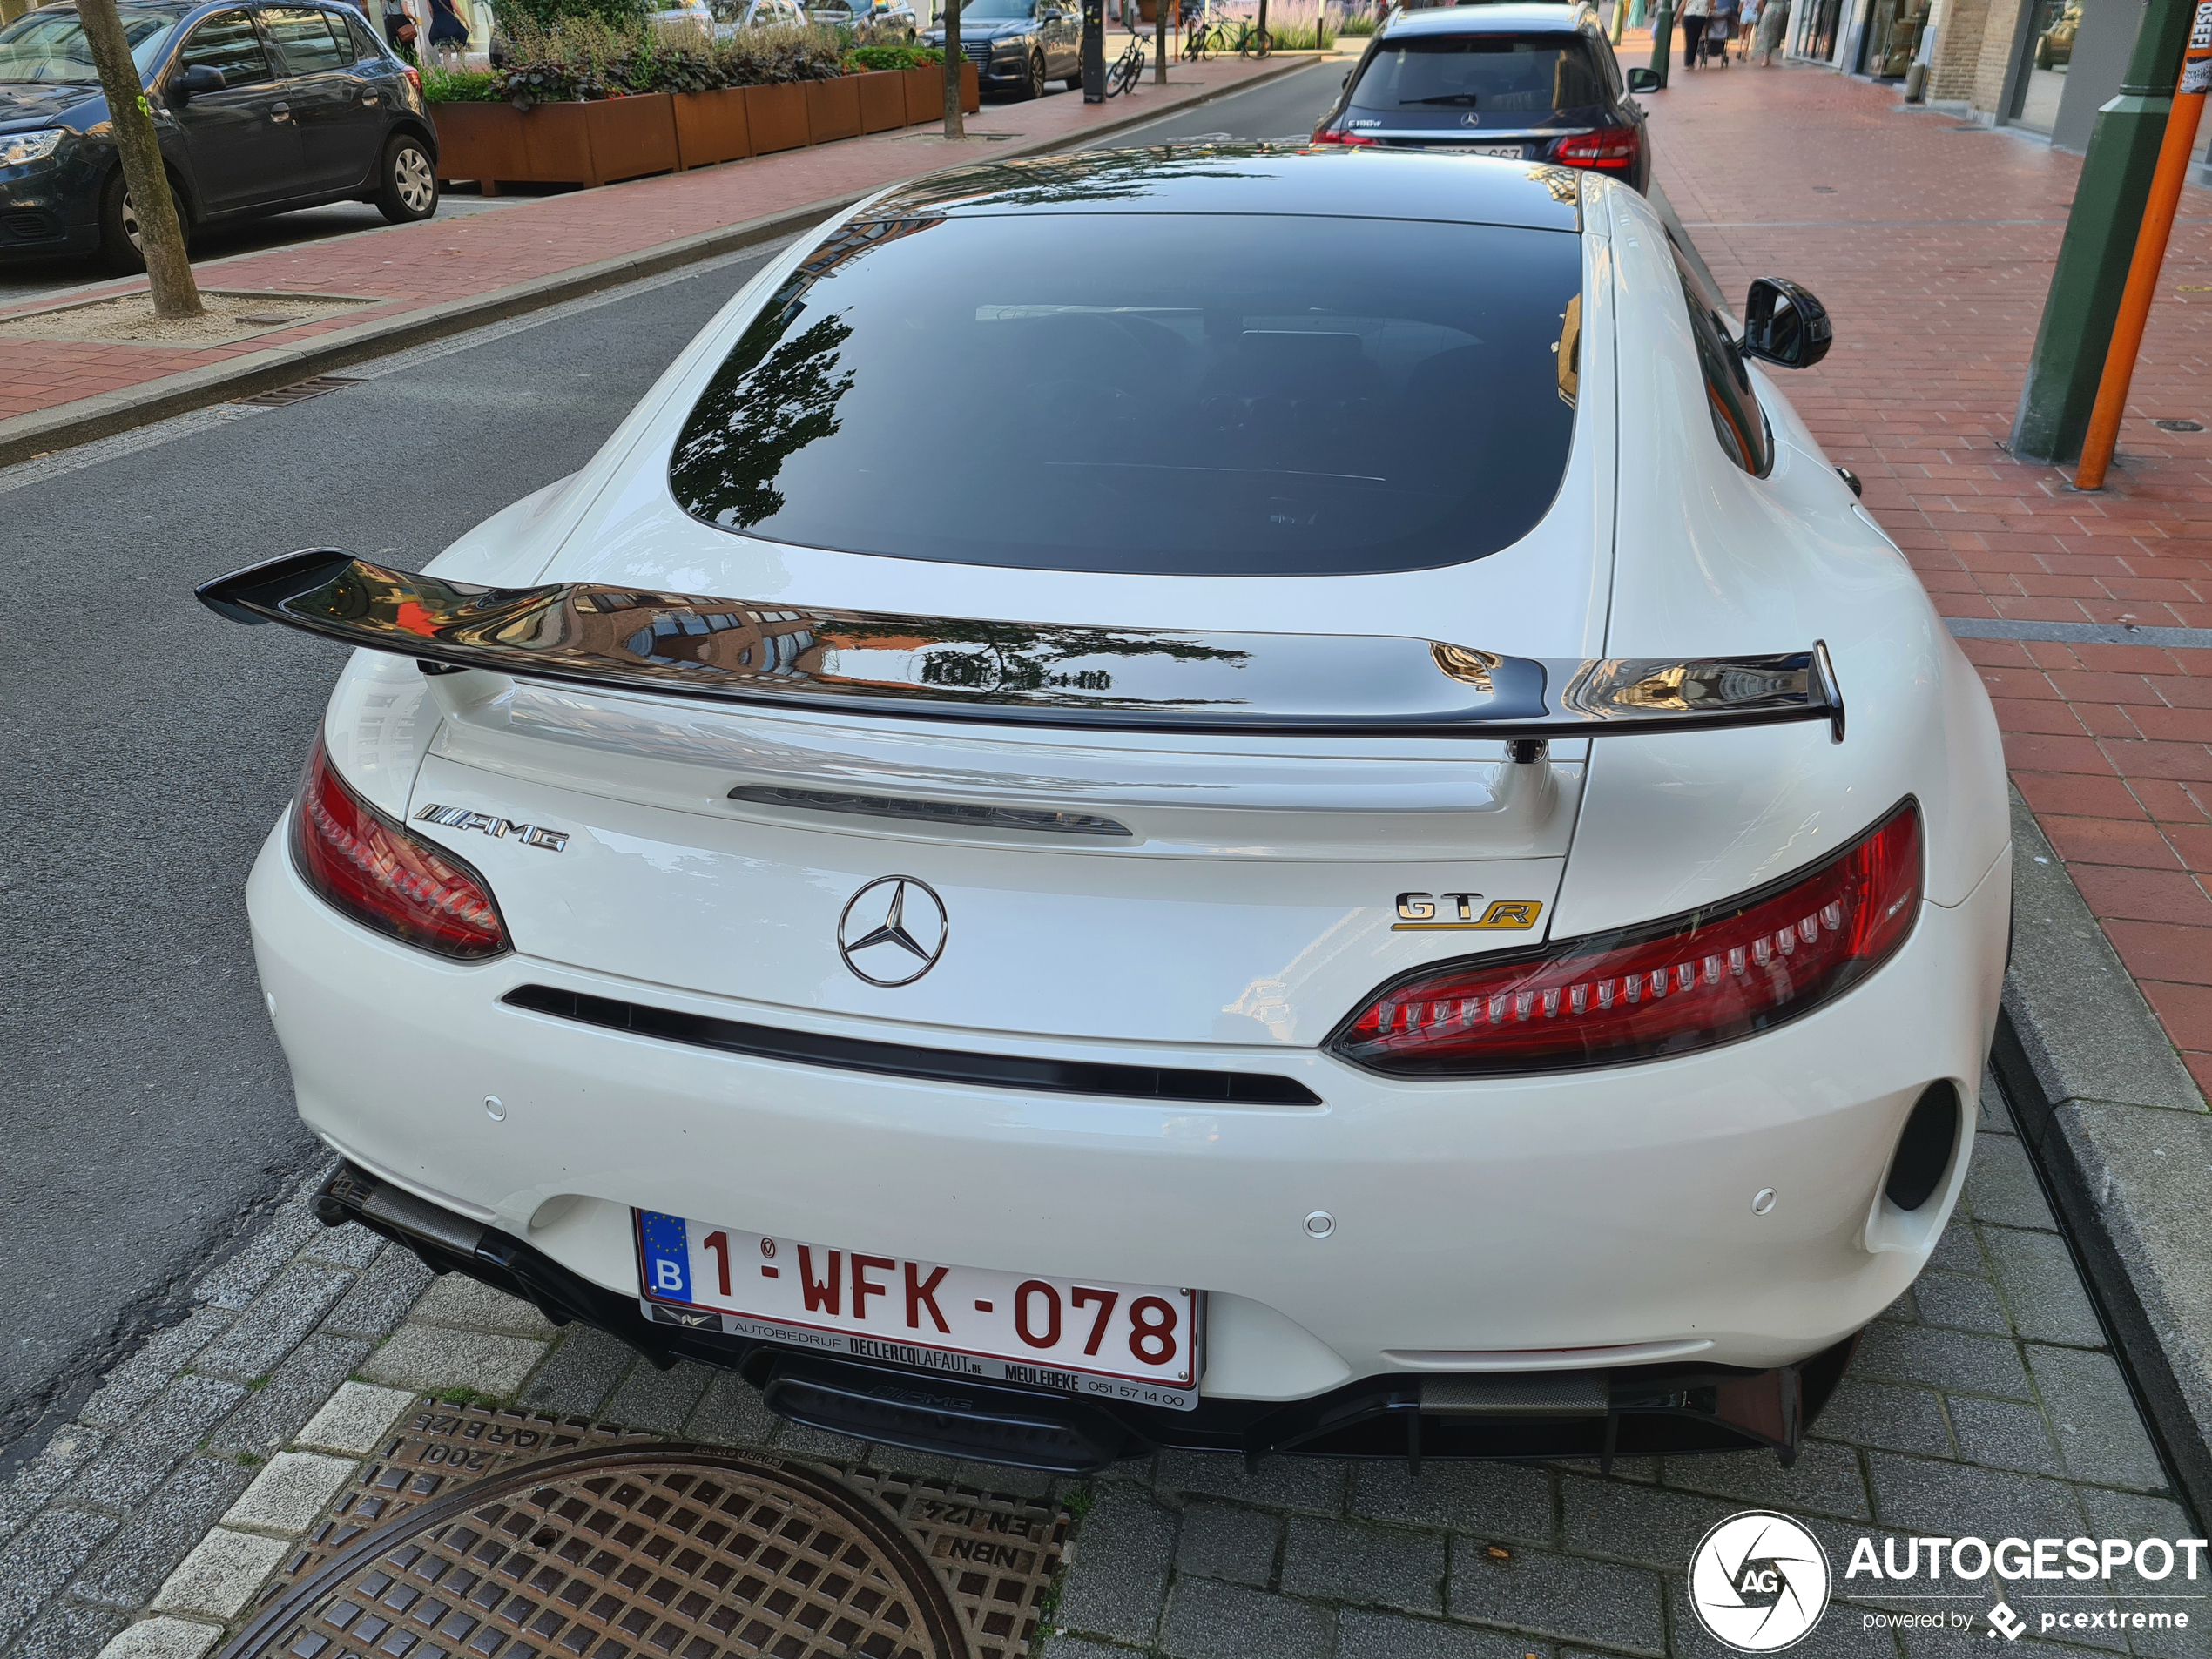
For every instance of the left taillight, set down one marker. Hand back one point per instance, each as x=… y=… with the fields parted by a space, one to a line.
x=1331 y=135
x=364 y=864
x=1712 y=976
x=1607 y=149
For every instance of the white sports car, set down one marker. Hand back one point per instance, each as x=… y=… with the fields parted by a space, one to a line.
x=1177 y=797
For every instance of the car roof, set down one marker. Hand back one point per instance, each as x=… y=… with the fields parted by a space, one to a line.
x=1328 y=182
x=1510 y=17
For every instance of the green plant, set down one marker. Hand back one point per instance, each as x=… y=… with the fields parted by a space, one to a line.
x=464 y=86
x=465 y=1397
x=248 y=1460
x=516 y=15
x=1302 y=36
x=863 y=58
x=1357 y=25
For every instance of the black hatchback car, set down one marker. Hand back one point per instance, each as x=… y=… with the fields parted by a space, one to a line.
x=261 y=108
x=1531 y=82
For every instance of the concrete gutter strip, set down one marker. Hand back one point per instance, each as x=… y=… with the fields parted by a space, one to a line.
x=89 y=419
x=2124 y=1139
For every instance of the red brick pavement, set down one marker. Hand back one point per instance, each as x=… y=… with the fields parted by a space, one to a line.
x=1933 y=247
x=410 y=268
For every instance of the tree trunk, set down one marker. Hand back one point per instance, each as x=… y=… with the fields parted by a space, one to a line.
x=955 y=126
x=175 y=293
x=1160 y=42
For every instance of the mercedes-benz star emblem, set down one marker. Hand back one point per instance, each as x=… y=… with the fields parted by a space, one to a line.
x=892 y=930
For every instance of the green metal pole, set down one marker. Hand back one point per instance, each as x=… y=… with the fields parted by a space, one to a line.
x=1663 y=53
x=2078 y=315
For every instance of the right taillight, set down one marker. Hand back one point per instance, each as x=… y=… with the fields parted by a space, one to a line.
x=1331 y=135
x=1715 y=975
x=366 y=866
x=1607 y=149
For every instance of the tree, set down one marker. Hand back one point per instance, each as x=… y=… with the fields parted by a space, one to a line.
x=161 y=237
x=955 y=126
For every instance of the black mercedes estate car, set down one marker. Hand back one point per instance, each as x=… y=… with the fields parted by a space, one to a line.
x=1528 y=81
x=260 y=109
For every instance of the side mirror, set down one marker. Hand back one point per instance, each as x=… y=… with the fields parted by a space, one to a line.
x=1784 y=324
x=200 y=78
x=1644 y=80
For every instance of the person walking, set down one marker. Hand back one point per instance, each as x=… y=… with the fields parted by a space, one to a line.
x=1747 y=26
x=400 y=29
x=449 y=36
x=1774 y=25
x=1694 y=14
x=1720 y=30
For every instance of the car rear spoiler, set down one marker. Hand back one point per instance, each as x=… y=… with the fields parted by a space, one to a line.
x=939 y=668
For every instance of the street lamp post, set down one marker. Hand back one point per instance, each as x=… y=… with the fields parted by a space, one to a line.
x=1662 y=40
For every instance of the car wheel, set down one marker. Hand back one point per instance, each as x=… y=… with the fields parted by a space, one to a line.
x=407 y=184
x=2042 y=54
x=120 y=249
x=1033 y=87
x=1075 y=82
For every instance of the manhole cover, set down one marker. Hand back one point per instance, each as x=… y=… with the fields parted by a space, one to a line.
x=2179 y=426
x=604 y=1554
x=277 y=396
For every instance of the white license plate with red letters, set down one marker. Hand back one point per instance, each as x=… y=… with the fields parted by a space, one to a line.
x=1137 y=1343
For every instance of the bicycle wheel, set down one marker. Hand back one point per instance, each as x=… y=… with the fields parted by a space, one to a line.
x=1263 y=43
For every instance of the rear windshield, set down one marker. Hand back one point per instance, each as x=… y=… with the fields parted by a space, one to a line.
x=1161 y=394
x=1450 y=75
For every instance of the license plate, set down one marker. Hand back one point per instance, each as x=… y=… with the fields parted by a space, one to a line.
x=1511 y=151
x=1129 y=1342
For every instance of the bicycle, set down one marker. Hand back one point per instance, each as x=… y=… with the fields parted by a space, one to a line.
x=1202 y=40
x=1253 y=41
x=1121 y=74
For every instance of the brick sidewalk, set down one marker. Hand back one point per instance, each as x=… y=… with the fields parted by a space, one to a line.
x=412 y=267
x=1931 y=243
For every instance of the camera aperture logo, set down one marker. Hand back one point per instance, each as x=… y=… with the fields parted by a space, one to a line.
x=1758 y=1582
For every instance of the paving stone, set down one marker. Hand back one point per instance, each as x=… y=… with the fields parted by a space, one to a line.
x=797 y=1439
x=1962 y=1301
x=277 y=1322
x=1490 y=1499
x=1563 y=1596
x=436 y=1357
x=1364 y=1634
x=41 y=1559
x=1951 y=1361
x=1210 y=1621
x=219 y=1578
x=176 y=1422
x=2100 y=1435
x=272 y=1414
x=1962 y=1500
x=131 y=1386
x=160 y=1533
x=649 y=1397
x=290 y=1492
x=2133 y=1515
x=1316 y=1485
x=2004 y=1435
x=728 y=1414
x=996 y=1477
x=1841 y=1633
x=2043 y=1289
x=382 y=1296
x=581 y=1371
x=1957 y=1251
x=1221 y=1540
x=1826 y=1481
x=68 y=1630
x=1644 y=1524
x=355 y=1419
x=1120 y=1577
x=69 y=1449
x=1060 y=1647
x=163 y=1639
x=1901 y=1312
x=1340 y=1561
x=239 y=1279
x=350 y=1246
x=2001 y=1187
x=454 y=1298
x=1883 y=1415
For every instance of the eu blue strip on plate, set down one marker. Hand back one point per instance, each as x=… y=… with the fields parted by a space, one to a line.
x=668 y=1255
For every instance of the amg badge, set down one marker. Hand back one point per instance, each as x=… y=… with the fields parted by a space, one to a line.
x=485 y=823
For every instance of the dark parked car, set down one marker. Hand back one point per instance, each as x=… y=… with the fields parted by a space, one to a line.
x=1018 y=45
x=1531 y=82
x=261 y=108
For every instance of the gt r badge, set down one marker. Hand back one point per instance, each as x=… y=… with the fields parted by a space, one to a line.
x=486 y=824
x=892 y=930
x=1418 y=913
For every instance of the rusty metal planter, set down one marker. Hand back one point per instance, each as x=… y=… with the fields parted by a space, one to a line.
x=558 y=143
x=926 y=92
x=833 y=109
x=778 y=115
x=711 y=127
x=883 y=99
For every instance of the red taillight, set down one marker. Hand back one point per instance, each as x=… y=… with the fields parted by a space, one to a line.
x=413 y=80
x=384 y=878
x=1330 y=135
x=1711 y=976
x=1608 y=149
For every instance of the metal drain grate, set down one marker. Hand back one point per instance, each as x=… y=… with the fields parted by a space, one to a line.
x=993 y=1553
x=298 y=392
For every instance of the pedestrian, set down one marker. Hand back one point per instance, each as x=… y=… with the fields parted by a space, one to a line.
x=1774 y=24
x=398 y=28
x=1720 y=30
x=449 y=36
x=1747 y=25
x=1694 y=16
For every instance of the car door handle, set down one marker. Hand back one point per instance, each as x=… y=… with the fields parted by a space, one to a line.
x=279 y=111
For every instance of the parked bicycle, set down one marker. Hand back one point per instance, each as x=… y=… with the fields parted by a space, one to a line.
x=1121 y=74
x=1251 y=41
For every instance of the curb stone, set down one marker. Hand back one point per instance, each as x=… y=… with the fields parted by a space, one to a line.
x=2122 y=1139
x=65 y=426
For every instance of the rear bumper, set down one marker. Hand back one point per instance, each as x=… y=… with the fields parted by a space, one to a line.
x=1545 y=1225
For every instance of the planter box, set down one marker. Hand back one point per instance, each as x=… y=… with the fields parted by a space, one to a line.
x=833 y=109
x=776 y=117
x=631 y=136
x=711 y=127
x=479 y=141
x=926 y=93
x=883 y=99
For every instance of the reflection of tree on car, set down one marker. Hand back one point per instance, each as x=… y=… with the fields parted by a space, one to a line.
x=2054 y=46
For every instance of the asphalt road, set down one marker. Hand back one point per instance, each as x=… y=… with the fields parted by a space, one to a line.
x=145 y=1109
